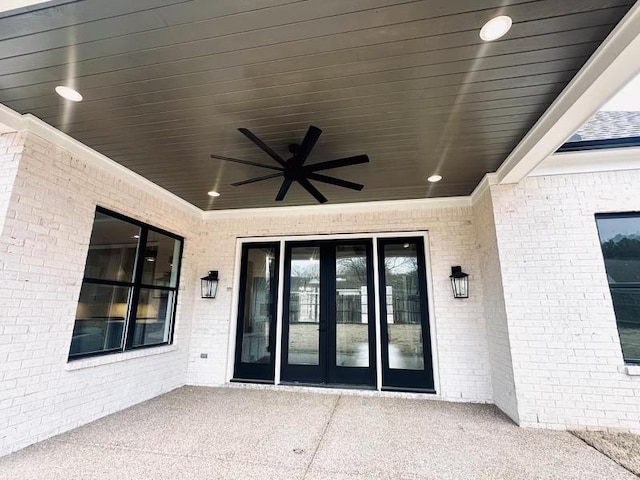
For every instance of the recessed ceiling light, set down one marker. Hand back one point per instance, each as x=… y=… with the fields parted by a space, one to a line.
x=213 y=193
x=135 y=236
x=68 y=93
x=434 y=178
x=495 y=28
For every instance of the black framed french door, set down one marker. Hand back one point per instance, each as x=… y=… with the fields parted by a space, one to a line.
x=405 y=334
x=256 y=323
x=328 y=313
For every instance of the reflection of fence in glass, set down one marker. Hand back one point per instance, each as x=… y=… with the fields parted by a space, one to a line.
x=304 y=305
x=402 y=308
x=352 y=305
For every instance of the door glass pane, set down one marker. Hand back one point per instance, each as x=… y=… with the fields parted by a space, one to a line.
x=100 y=318
x=402 y=292
x=161 y=256
x=112 y=249
x=352 y=316
x=153 y=317
x=258 y=304
x=304 y=306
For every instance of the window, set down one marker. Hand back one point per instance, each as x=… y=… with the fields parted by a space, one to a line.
x=129 y=290
x=620 y=241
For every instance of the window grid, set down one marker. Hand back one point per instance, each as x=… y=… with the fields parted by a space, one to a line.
x=136 y=286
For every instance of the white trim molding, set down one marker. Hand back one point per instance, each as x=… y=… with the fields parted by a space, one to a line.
x=613 y=64
x=357 y=207
x=589 y=161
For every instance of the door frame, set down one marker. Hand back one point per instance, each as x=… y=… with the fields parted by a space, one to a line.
x=374 y=236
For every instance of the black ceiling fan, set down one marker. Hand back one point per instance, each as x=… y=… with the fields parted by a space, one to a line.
x=294 y=169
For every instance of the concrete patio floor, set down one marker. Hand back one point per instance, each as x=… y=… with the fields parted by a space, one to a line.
x=243 y=433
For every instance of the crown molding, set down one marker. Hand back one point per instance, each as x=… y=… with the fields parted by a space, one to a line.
x=612 y=65
x=357 y=207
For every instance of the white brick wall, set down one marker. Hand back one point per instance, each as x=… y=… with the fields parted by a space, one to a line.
x=460 y=325
x=567 y=359
x=43 y=249
x=504 y=394
x=11 y=145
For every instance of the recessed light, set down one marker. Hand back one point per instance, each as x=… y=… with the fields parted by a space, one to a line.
x=495 y=28
x=213 y=193
x=68 y=93
x=434 y=178
x=135 y=236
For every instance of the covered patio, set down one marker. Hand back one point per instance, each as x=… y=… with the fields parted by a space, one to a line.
x=288 y=433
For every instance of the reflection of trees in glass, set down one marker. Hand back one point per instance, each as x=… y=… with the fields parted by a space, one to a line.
x=402 y=276
x=625 y=247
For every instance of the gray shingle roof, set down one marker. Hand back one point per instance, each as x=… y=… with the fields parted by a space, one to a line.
x=609 y=125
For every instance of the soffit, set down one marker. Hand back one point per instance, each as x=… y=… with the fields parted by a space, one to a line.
x=410 y=83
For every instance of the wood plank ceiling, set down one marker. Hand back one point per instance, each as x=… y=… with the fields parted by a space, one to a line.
x=410 y=83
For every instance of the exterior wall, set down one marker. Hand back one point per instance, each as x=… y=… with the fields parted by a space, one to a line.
x=460 y=325
x=11 y=144
x=567 y=359
x=43 y=250
x=504 y=394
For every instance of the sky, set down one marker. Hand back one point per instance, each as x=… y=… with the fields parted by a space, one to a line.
x=627 y=99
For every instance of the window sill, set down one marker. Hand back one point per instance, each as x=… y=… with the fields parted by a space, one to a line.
x=632 y=370
x=118 y=357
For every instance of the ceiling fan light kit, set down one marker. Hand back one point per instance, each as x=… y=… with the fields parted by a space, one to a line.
x=293 y=169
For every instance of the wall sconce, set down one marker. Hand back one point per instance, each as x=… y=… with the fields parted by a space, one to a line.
x=209 y=284
x=459 y=282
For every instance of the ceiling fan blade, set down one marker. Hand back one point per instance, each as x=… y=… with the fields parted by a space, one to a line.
x=308 y=142
x=246 y=162
x=283 y=189
x=257 y=179
x=335 y=181
x=341 y=162
x=267 y=149
x=312 y=190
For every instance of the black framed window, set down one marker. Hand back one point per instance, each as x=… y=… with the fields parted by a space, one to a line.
x=620 y=241
x=130 y=286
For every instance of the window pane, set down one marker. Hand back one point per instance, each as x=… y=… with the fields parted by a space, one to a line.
x=304 y=306
x=626 y=303
x=620 y=240
x=161 y=260
x=259 y=292
x=404 y=320
x=352 y=317
x=153 y=318
x=100 y=318
x=112 y=249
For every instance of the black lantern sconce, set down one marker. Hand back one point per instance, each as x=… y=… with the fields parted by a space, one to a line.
x=209 y=284
x=459 y=282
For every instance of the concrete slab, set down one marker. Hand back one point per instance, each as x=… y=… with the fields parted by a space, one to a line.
x=244 y=433
x=623 y=448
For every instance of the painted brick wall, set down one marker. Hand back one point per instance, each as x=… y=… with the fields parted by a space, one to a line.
x=567 y=359
x=43 y=248
x=504 y=394
x=11 y=144
x=460 y=325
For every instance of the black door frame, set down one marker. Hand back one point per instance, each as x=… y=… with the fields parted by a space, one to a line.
x=400 y=379
x=327 y=372
x=256 y=372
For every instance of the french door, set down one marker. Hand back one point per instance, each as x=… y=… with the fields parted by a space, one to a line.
x=405 y=339
x=328 y=315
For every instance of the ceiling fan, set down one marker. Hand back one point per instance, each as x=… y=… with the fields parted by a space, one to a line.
x=294 y=170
